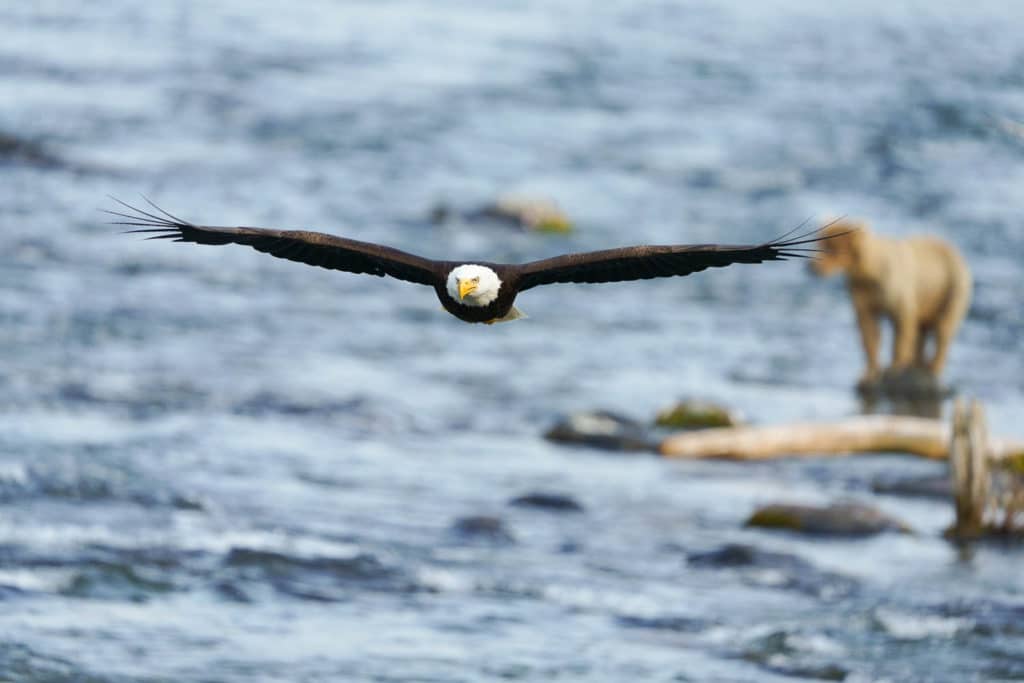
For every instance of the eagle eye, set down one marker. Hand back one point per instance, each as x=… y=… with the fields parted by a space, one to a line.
x=476 y=279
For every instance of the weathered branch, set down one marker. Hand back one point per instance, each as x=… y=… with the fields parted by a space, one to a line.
x=868 y=434
x=969 y=469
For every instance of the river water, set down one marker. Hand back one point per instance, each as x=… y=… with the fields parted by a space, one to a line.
x=218 y=466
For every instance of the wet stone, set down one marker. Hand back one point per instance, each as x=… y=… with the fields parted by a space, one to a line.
x=183 y=502
x=841 y=519
x=268 y=403
x=556 y=502
x=732 y=555
x=246 y=571
x=988 y=617
x=115 y=581
x=482 y=527
x=25 y=151
x=785 y=653
x=912 y=383
x=361 y=566
x=603 y=429
x=935 y=486
x=771 y=569
x=19 y=662
x=679 y=624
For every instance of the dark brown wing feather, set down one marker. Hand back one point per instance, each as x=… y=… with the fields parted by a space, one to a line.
x=312 y=248
x=646 y=262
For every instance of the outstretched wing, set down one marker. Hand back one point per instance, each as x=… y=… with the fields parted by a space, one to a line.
x=311 y=248
x=646 y=262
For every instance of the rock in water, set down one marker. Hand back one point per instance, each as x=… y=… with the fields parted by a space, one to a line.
x=732 y=555
x=696 y=414
x=484 y=528
x=841 y=519
x=527 y=213
x=603 y=429
x=778 y=570
x=532 y=213
x=13 y=148
x=558 y=502
x=912 y=383
x=933 y=486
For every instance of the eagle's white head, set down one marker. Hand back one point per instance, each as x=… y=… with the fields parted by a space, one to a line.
x=473 y=285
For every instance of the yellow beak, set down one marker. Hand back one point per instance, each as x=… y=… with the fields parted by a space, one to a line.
x=465 y=287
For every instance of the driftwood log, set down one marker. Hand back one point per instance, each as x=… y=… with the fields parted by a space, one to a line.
x=866 y=434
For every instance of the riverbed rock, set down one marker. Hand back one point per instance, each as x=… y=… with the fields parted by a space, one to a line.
x=545 y=500
x=840 y=519
x=771 y=569
x=936 y=486
x=693 y=413
x=603 y=429
x=797 y=655
x=25 y=151
x=482 y=528
x=735 y=555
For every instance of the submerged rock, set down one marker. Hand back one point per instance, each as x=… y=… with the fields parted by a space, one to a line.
x=482 y=527
x=359 y=566
x=558 y=502
x=736 y=555
x=18 y=662
x=116 y=581
x=797 y=655
x=679 y=624
x=936 y=486
x=771 y=569
x=603 y=429
x=841 y=519
x=246 y=573
x=22 y=150
x=696 y=414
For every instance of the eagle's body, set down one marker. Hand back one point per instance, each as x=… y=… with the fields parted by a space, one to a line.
x=476 y=292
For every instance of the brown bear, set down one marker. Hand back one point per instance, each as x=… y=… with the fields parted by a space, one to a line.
x=921 y=284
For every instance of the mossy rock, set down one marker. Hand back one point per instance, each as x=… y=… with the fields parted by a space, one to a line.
x=841 y=519
x=776 y=517
x=696 y=414
x=535 y=214
x=553 y=223
x=532 y=213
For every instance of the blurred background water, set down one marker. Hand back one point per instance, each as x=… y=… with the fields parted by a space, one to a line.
x=217 y=466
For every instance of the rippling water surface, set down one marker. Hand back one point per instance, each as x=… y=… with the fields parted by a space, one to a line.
x=215 y=466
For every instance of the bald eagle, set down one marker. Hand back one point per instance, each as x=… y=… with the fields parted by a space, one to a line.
x=479 y=292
